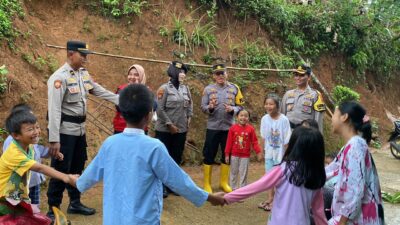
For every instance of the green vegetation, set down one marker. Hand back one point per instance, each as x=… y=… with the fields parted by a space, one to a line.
x=203 y=35
x=341 y=94
x=3 y=79
x=119 y=8
x=47 y=63
x=368 y=36
x=8 y=10
x=391 y=198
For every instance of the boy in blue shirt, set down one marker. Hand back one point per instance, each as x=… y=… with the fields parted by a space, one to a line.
x=134 y=166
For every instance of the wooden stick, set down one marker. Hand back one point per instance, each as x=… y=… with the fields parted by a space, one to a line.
x=168 y=62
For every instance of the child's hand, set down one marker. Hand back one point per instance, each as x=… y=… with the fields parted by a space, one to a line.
x=259 y=157
x=71 y=179
x=216 y=199
x=227 y=159
x=59 y=156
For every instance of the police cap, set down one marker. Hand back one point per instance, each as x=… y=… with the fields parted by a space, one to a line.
x=78 y=46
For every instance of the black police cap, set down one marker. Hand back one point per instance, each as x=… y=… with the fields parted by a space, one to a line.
x=179 y=65
x=219 y=68
x=78 y=46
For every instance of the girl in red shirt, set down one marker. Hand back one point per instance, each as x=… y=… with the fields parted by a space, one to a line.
x=241 y=138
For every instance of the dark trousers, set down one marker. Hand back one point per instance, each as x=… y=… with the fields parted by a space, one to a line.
x=215 y=139
x=75 y=155
x=175 y=144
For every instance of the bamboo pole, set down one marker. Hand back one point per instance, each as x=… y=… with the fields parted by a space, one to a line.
x=168 y=62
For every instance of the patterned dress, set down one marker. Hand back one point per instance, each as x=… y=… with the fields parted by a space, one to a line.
x=357 y=194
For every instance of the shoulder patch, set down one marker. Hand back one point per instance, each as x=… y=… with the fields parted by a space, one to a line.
x=160 y=93
x=57 y=84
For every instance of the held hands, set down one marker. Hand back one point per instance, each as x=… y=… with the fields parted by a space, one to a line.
x=71 y=179
x=217 y=199
x=173 y=129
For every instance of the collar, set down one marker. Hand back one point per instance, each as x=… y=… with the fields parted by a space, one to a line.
x=307 y=89
x=133 y=131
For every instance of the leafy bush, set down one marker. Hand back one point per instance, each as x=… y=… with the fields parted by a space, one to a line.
x=179 y=33
x=370 y=39
x=3 y=79
x=8 y=10
x=119 y=8
x=342 y=94
x=203 y=35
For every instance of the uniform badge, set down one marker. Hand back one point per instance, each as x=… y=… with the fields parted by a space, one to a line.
x=306 y=109
x=71 y=80
x=291 y=95
x=88 y=86
x=307 y=103
x=57 y=84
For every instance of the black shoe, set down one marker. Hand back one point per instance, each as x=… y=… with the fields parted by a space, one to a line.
x=76 y=207
x=165 y=192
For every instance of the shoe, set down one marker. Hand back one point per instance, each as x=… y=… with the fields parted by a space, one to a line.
x=165 y=192
x=224 y=178
x=76 y=207
x=207 y=178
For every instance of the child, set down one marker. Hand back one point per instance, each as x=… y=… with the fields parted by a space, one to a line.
x=40 y=152
x=134 y=167
x=298 y=181
x=275 y=133
x=241 y=137
x=309 y=123
x=357 y=195
x=15 y=166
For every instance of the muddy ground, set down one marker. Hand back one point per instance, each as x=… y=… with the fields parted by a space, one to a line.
x=178 y=211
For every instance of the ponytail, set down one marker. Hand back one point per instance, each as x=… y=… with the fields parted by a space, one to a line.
x=358 y=118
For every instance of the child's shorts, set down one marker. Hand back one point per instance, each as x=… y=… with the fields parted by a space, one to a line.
x=34 y=194
x=269 y=163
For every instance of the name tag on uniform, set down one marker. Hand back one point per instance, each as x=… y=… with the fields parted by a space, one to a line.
x=73 y=89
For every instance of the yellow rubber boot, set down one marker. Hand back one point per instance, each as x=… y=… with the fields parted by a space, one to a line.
x=207 y=178
x=224 y=179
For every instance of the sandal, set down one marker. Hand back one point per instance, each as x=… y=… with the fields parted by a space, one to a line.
x=263 y=204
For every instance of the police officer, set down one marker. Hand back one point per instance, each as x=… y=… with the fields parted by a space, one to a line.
x=303 y=102
x=174 y=111
x=220 y=101
x=68 y=90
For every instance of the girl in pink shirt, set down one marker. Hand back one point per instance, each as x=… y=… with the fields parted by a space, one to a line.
x=298 y=181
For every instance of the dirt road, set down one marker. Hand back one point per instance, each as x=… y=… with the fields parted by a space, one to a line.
x=178 y=211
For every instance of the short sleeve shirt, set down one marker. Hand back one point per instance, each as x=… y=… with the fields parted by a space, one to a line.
x=15 y=164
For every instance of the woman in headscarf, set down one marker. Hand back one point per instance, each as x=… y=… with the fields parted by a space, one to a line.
x=175 y=108
x=136 y=75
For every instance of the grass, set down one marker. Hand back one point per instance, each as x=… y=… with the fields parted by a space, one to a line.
x=203 y=35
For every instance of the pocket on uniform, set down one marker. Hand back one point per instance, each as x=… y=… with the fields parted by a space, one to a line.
x=71 y=98
x=172 y=101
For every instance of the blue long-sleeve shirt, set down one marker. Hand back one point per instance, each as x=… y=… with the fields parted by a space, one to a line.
x=133 y=168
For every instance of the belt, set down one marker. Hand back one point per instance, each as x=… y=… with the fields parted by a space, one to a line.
x=72 y=119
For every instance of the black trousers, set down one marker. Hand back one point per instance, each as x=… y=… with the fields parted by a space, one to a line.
x=75 y=155
x=175 y=144
x=215 y=139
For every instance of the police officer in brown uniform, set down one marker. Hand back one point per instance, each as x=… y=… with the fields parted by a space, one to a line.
x=220 y=101
x=174 y=111
x=68 y=90
x=303 y=102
